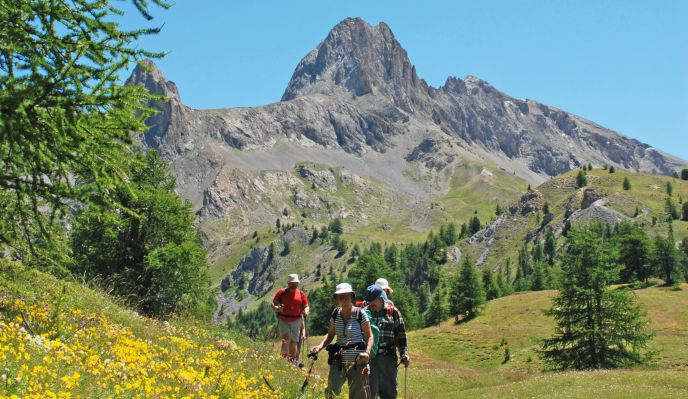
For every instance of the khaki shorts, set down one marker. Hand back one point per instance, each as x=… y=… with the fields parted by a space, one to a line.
x=291 y=329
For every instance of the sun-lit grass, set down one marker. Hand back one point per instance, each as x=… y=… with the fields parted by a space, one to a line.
x=60 y=339
x=467 y=360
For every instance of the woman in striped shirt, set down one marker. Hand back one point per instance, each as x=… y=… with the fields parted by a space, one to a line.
x=349 y=355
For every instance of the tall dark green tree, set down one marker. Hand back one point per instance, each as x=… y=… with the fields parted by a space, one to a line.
x=635 y=253
x=581 y=179
x=597 y=326
x=438 y=310
x=474 y=224
x=666 y=260
x=685 y=211
x=67 y=117
x=626 y=183
x=550 y=247
x=467 y=294
x=148 y=252
x=492 y=288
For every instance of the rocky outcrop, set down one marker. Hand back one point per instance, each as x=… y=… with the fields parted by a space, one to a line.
x=323 y=179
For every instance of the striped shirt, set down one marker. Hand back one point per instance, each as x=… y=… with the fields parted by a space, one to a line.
x=349 y=332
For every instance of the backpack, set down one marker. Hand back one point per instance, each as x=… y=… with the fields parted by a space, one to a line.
x=374 y=328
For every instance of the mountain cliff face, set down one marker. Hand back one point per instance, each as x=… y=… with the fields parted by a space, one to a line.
x=358 y=89
x=356 y=101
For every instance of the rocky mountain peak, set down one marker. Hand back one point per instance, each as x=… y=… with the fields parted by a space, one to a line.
x=361 y=59
x=148 y=74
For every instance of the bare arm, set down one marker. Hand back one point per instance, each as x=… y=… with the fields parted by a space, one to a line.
x=326 y=340
x=370 y=340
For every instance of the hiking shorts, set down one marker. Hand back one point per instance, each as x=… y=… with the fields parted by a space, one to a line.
x=290 y=329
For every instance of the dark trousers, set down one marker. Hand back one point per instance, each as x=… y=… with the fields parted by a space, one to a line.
x=383 y=376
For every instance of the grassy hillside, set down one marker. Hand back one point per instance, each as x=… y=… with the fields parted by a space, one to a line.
x=61 y=339
x=467 y=360
x=648 y=194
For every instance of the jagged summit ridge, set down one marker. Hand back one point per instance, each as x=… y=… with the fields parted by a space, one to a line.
x=361 y=59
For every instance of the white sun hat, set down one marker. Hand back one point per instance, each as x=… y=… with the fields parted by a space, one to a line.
x=343 y=288
x=382 y=282
x=293 y=278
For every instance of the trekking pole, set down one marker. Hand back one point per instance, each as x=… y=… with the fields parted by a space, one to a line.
x=313 y=355
x=366 y=381
x=405 y=381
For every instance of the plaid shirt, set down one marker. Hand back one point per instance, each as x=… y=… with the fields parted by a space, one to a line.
x=392 y=328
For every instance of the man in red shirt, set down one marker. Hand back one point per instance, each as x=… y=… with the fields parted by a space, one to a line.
x=290 y=304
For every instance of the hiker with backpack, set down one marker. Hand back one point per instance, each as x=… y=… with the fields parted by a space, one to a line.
x=384 y=315
x=291 y=305
x=348 y=357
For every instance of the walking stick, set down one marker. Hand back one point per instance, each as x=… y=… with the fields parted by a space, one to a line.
x=313 y=355
x=405 y=383
x=366 y=381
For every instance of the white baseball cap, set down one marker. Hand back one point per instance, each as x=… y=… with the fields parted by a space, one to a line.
x=293 y=278
x=382 y=282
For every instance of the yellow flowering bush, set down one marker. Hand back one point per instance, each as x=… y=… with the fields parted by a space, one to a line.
x=50 y=352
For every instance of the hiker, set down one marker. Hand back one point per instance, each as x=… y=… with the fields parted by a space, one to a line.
x=291 y=304
x=383 y=367
x=348 y=357
x=382 y=282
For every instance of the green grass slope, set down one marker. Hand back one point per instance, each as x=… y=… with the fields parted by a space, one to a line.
x=468 y=360
x=62 y=339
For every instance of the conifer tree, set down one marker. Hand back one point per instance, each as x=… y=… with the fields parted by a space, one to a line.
x=151 y=255
x=581 y=179
x=626 y=184
x=451 y=236
x=550 y=247
x=67 y=117
x=438 y=310
x=492 y=289
x=467 y=294
x=634 y=253
x=666 y=260
x=597 y=326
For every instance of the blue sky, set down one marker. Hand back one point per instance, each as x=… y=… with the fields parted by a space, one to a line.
x=622 y=64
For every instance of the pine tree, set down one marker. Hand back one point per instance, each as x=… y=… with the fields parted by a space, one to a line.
x=503 y=282
x=538 y=280
x=67 y=117
x=669 y=188
x=612 y=169
x=685 y=211
x=336 y=226
x=581 y=179
x=153 y=252
x=467 y=293
x=596 y=326
x=464 y=231
x=492 y=289
x=550 y=247
x=666 y=260
x=438 y=310
x=626 y=183
x=684 y=174
x=475 y=225
x=451 y=236
x=634 y=253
